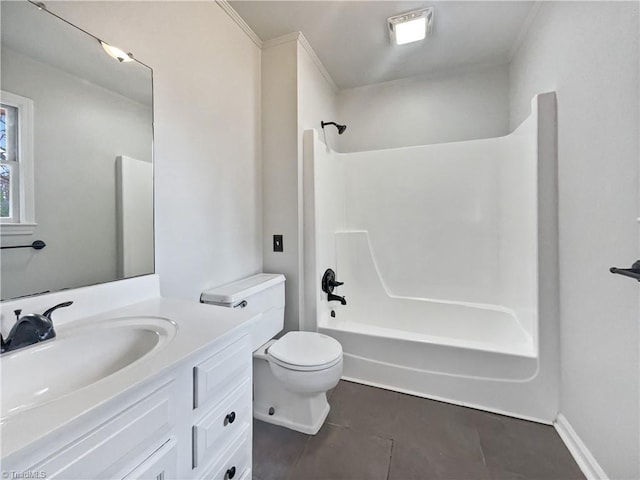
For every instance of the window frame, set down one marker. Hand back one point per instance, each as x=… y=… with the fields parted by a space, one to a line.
x=24 y=223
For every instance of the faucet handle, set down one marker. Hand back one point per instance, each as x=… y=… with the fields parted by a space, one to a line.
x=55 y=307
x=17 y=313
x=329 y=281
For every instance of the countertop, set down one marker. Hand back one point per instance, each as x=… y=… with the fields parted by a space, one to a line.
x=199 y=326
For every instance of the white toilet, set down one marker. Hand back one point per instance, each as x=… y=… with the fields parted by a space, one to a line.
x=291 y=375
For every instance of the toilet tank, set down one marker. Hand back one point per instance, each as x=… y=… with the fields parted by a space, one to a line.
x=262 y=293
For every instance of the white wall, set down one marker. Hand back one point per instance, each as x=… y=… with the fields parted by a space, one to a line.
x=316 y=102
x=424 y=110
x=207 y=104
x=451 y=221
x=75 y=189
x=595 y=73
x=432 y=217
x=520 y=221
x=280 y=170
x=297 y=95
x=325 y=214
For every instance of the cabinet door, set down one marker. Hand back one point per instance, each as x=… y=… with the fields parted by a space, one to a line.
x=217 y=376
x=234 y=462
x=104 y=451
x=222 y=425
x=161 y=465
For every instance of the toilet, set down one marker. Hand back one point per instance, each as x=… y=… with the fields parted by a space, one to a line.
x=291 y=375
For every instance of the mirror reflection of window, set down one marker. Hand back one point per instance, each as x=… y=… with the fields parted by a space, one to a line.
x=9 y=162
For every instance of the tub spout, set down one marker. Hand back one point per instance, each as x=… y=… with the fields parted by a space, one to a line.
x=337 y=298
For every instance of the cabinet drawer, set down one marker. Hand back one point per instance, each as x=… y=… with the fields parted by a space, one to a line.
x=235 y=461
x=120 y=439
x=217 y=376
x=161 y=465
x=220 y=426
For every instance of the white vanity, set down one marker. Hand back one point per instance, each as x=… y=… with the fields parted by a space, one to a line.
x=134 y=386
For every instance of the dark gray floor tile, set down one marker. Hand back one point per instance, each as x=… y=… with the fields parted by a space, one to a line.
x=340 y=453
x=426 y=440
x=424 y=412
x=411 y=460
x=330 y=393
x=435 y=440
x=497 y=474
x=275 y=450
x=518 y=447
x=363 y=408
x=443 y=429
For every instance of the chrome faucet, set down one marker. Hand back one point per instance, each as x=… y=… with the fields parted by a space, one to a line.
x=30 y=329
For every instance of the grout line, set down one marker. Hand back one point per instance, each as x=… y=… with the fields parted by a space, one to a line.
x=484 y=460
x=299 y=457
x=390 y=457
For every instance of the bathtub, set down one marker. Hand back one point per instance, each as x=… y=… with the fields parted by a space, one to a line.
x=461 y=303
x=427 y=347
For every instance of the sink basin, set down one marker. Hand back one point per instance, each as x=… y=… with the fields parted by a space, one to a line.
x=79 y=356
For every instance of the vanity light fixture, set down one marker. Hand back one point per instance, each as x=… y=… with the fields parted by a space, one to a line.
x=411 y=26
x=116 y=53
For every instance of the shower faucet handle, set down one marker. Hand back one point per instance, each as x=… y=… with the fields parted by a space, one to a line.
x=329 y=281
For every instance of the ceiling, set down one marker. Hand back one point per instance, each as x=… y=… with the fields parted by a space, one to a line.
x=351 y=39
x=37 y=34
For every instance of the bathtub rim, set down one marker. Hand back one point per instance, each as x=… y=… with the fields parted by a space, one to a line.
x=418 y=338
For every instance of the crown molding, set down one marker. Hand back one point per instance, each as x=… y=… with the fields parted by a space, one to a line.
x=224 y=4
x=290 y=37
x=300 y=38
x=307 y=46
x=274 y=42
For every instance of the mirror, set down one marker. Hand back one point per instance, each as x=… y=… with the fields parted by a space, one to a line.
x=76 y=135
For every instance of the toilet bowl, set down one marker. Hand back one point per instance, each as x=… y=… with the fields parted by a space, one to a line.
x=306 y=362
x=291 y=375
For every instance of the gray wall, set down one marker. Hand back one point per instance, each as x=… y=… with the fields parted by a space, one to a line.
x=79 y=129
x=450 y=107
x=297 y=96
x=595 y=73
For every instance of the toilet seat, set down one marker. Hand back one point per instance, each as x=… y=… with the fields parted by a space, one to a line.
x=305 y=351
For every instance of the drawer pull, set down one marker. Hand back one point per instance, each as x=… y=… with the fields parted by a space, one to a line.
x=230 y=473
x=230 y=418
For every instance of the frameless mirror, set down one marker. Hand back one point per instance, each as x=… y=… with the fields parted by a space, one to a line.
x=76 y=175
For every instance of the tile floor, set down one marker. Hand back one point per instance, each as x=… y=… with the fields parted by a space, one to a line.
x=373 y=434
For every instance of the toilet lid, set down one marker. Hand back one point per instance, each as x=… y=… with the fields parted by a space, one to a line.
x=306 y=349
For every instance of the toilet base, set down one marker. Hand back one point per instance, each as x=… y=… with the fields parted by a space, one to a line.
x=308 y=420
x=302 y=413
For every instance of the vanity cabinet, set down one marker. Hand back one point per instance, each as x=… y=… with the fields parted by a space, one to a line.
x=107 y=450
x=193 y=420
x=161 y=465
x=223 y=413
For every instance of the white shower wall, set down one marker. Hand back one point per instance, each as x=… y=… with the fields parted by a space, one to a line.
x=453 y=222
x=448 y=294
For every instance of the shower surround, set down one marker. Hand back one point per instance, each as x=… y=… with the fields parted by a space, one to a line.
x=448 y=254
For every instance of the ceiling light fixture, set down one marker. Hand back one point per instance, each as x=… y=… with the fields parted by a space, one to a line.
x=116 y=53
x=411 y=26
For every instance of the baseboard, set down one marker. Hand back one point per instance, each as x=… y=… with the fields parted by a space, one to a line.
x=581 y=454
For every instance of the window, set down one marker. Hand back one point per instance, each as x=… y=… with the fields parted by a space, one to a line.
x=16 y=165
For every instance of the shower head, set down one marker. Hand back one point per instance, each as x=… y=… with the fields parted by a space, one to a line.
x=341 y=128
